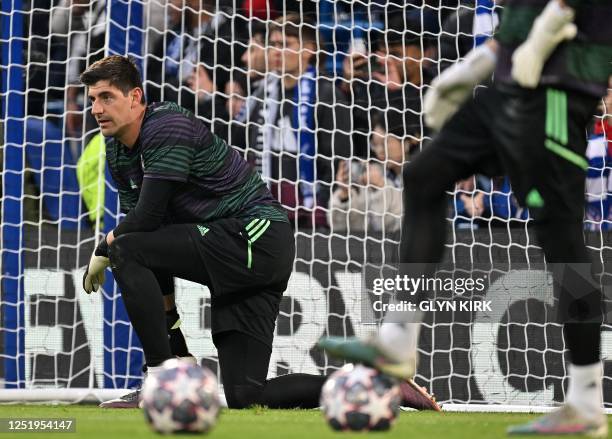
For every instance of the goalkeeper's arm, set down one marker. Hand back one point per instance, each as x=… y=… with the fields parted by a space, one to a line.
x=146 y=216
x=550 y=28
x=150 y=210
x=449 y=90
x=454 y=85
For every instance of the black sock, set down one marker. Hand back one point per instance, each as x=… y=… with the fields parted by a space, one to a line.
x=579 y=303
x=178 y=345
x=296 y=390
x=583 y=340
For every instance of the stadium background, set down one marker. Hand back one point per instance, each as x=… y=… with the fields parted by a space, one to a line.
x=53 y=336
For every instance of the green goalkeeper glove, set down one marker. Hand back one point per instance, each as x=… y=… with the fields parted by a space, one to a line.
x=449 y=90
x=94 y=274
x=551 y=27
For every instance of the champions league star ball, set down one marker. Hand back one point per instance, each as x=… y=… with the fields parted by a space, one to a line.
x=182 y=397
x=359 y=398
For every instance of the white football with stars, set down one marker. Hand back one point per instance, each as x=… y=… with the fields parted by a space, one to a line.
x=359 y=398
x=182 y=397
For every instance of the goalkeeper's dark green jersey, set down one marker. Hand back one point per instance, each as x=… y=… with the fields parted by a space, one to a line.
x=215 y=181
x=584 y=63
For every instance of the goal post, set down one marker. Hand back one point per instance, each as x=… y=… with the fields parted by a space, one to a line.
x=12 y=222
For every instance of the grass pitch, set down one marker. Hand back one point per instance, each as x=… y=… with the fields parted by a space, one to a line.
x=260 y=423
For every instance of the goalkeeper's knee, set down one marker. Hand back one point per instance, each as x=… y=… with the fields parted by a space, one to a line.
x=122 y=250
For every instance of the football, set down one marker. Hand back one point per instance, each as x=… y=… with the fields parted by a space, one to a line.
x=182 y=397
x=359 y=398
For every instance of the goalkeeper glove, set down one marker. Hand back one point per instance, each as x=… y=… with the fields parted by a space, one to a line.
x=94 y=274
x=449 y=90
x=551 y=27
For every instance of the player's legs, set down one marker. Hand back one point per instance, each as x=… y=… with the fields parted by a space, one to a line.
x=246 y=282
x=244 y=361
x=135 y=260
x=178 y=345
x=543 y=143
x=216 y=255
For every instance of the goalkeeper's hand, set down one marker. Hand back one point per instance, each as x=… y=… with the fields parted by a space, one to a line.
x=449 y=90
x=552 y=26
x=94 y=274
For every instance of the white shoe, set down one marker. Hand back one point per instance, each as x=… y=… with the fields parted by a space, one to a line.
x=564 y=420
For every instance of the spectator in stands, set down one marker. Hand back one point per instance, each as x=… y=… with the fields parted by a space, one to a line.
x=480 y=200
x=61 y=44
x=431 y=12
x=84 y=48
x=192 y=64
x=389 y=81
x=236 y=94
x=254 y=58
x=456 y=37
x=471 y=202
x=254 y=66
x=303 y=128
x=305 y=9
x=368 y=194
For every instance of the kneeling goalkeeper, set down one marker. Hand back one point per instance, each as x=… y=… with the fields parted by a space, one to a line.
x=198 y=211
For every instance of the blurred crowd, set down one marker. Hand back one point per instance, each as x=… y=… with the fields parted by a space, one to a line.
x=322 y=97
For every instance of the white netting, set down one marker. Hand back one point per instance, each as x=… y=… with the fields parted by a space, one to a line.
x=329 y=136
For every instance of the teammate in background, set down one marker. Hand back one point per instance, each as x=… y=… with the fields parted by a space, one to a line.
x=196 y=210
x=552 y=62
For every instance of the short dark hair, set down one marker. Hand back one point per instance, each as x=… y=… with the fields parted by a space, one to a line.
x=258 y=30
x=407 y=30
x=119 y=71
x=292 y=25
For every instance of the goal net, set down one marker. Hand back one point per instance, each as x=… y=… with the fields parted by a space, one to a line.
x=324 y=99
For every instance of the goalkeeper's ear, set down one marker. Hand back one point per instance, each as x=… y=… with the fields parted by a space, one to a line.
x=137 y=97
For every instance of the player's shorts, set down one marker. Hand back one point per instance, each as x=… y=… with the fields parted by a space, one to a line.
x=245 y=264
x=536 y=137
x=248 y=265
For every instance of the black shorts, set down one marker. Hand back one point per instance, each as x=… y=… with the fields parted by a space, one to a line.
x=245 y=264
x=248 y=265
x=536 y=137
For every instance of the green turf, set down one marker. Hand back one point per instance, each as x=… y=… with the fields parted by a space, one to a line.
x=95 y=423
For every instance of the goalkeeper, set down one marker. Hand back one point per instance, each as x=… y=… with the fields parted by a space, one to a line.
x=196 y=210
x=551 y=62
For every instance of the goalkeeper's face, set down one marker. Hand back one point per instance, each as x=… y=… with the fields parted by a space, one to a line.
x=114 y=111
